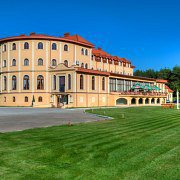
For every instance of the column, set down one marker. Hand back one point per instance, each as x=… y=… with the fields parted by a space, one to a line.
x=144 y=101
x=150 y=100
x=19 y=66
x=55 y=100
x=8 y=66
x=137 y=101
x=124 y=85
x=74 y=54
x=33 y=66
x=90 y=54
x=47 y=73
x=129 y=101
x=87 y=90
x=74 y=82
x=116 y=85
x=108 y=84
x=1 y=71
x=155 y=100
x=60 y=52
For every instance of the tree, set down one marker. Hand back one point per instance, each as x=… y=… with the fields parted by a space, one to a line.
x=172 y=76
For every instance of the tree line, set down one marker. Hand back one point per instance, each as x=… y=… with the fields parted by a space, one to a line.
x=172 y=75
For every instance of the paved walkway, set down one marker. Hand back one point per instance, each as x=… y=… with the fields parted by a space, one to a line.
x=16 y=119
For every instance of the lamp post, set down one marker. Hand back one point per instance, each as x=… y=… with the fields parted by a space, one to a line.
x=177 y=99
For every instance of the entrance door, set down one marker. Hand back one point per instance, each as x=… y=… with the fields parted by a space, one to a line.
x=61 y=83
x=62 y=100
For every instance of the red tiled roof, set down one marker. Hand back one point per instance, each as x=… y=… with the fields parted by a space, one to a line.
x=168 y=88
x=132 y=77
x=90 y=71
x=76 y=39
x=161 y=81
x=101 y=53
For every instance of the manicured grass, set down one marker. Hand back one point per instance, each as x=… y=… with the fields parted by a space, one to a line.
x=145 y=144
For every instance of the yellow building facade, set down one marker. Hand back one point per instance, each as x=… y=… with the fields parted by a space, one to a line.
x=46 y=71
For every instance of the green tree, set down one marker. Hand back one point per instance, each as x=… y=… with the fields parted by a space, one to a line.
x=173 y=76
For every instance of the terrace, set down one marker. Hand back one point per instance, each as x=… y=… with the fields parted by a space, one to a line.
x=129 y=93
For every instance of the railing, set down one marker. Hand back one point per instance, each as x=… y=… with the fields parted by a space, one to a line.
x=141 y=93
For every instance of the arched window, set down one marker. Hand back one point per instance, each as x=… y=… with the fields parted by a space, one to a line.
x=133 y=101
x=14 y=99
x=66 y=63
x=86 y=52
x=54 y=62
x=26 y=62
x=82 y=51
x=14 y=46
x=40 y=62
x=65 y=47
x=4 y=47
x=40 y=45
x=69 y=81
x=13 y=62
x=86 y=66
x=93 y=83
x=40 y=99
x=103 y=83
x=54 y=46
x=40 y=82
x=26 y=82
x=121 y=101
x=140 y=101
x=82 y=65
x=14 y=82
x=81 y=82
x=4 y=99
x=54 y=82
x=26 y=99
x=26 y=45
x=5 y=83
x=4 y=63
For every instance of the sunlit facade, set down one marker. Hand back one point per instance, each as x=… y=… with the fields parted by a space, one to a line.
x=46 y=71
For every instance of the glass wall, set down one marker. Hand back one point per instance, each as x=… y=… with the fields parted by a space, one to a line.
x=112 y=85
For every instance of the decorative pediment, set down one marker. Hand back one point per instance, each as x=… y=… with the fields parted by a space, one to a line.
x=61 y=67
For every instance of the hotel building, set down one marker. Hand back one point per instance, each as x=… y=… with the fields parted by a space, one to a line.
x=46 y=71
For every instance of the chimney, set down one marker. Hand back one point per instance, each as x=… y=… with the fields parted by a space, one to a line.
x=32 y=33
x=99 y=48
x=66 y=34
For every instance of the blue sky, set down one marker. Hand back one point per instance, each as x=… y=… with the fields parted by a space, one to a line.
x=147 y=32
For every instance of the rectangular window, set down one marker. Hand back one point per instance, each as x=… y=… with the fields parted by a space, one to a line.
x=128 y=85
x=112 y=85
x=61 y=83
x=120 y=85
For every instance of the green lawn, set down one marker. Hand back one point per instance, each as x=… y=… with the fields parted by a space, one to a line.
x=145 y=144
